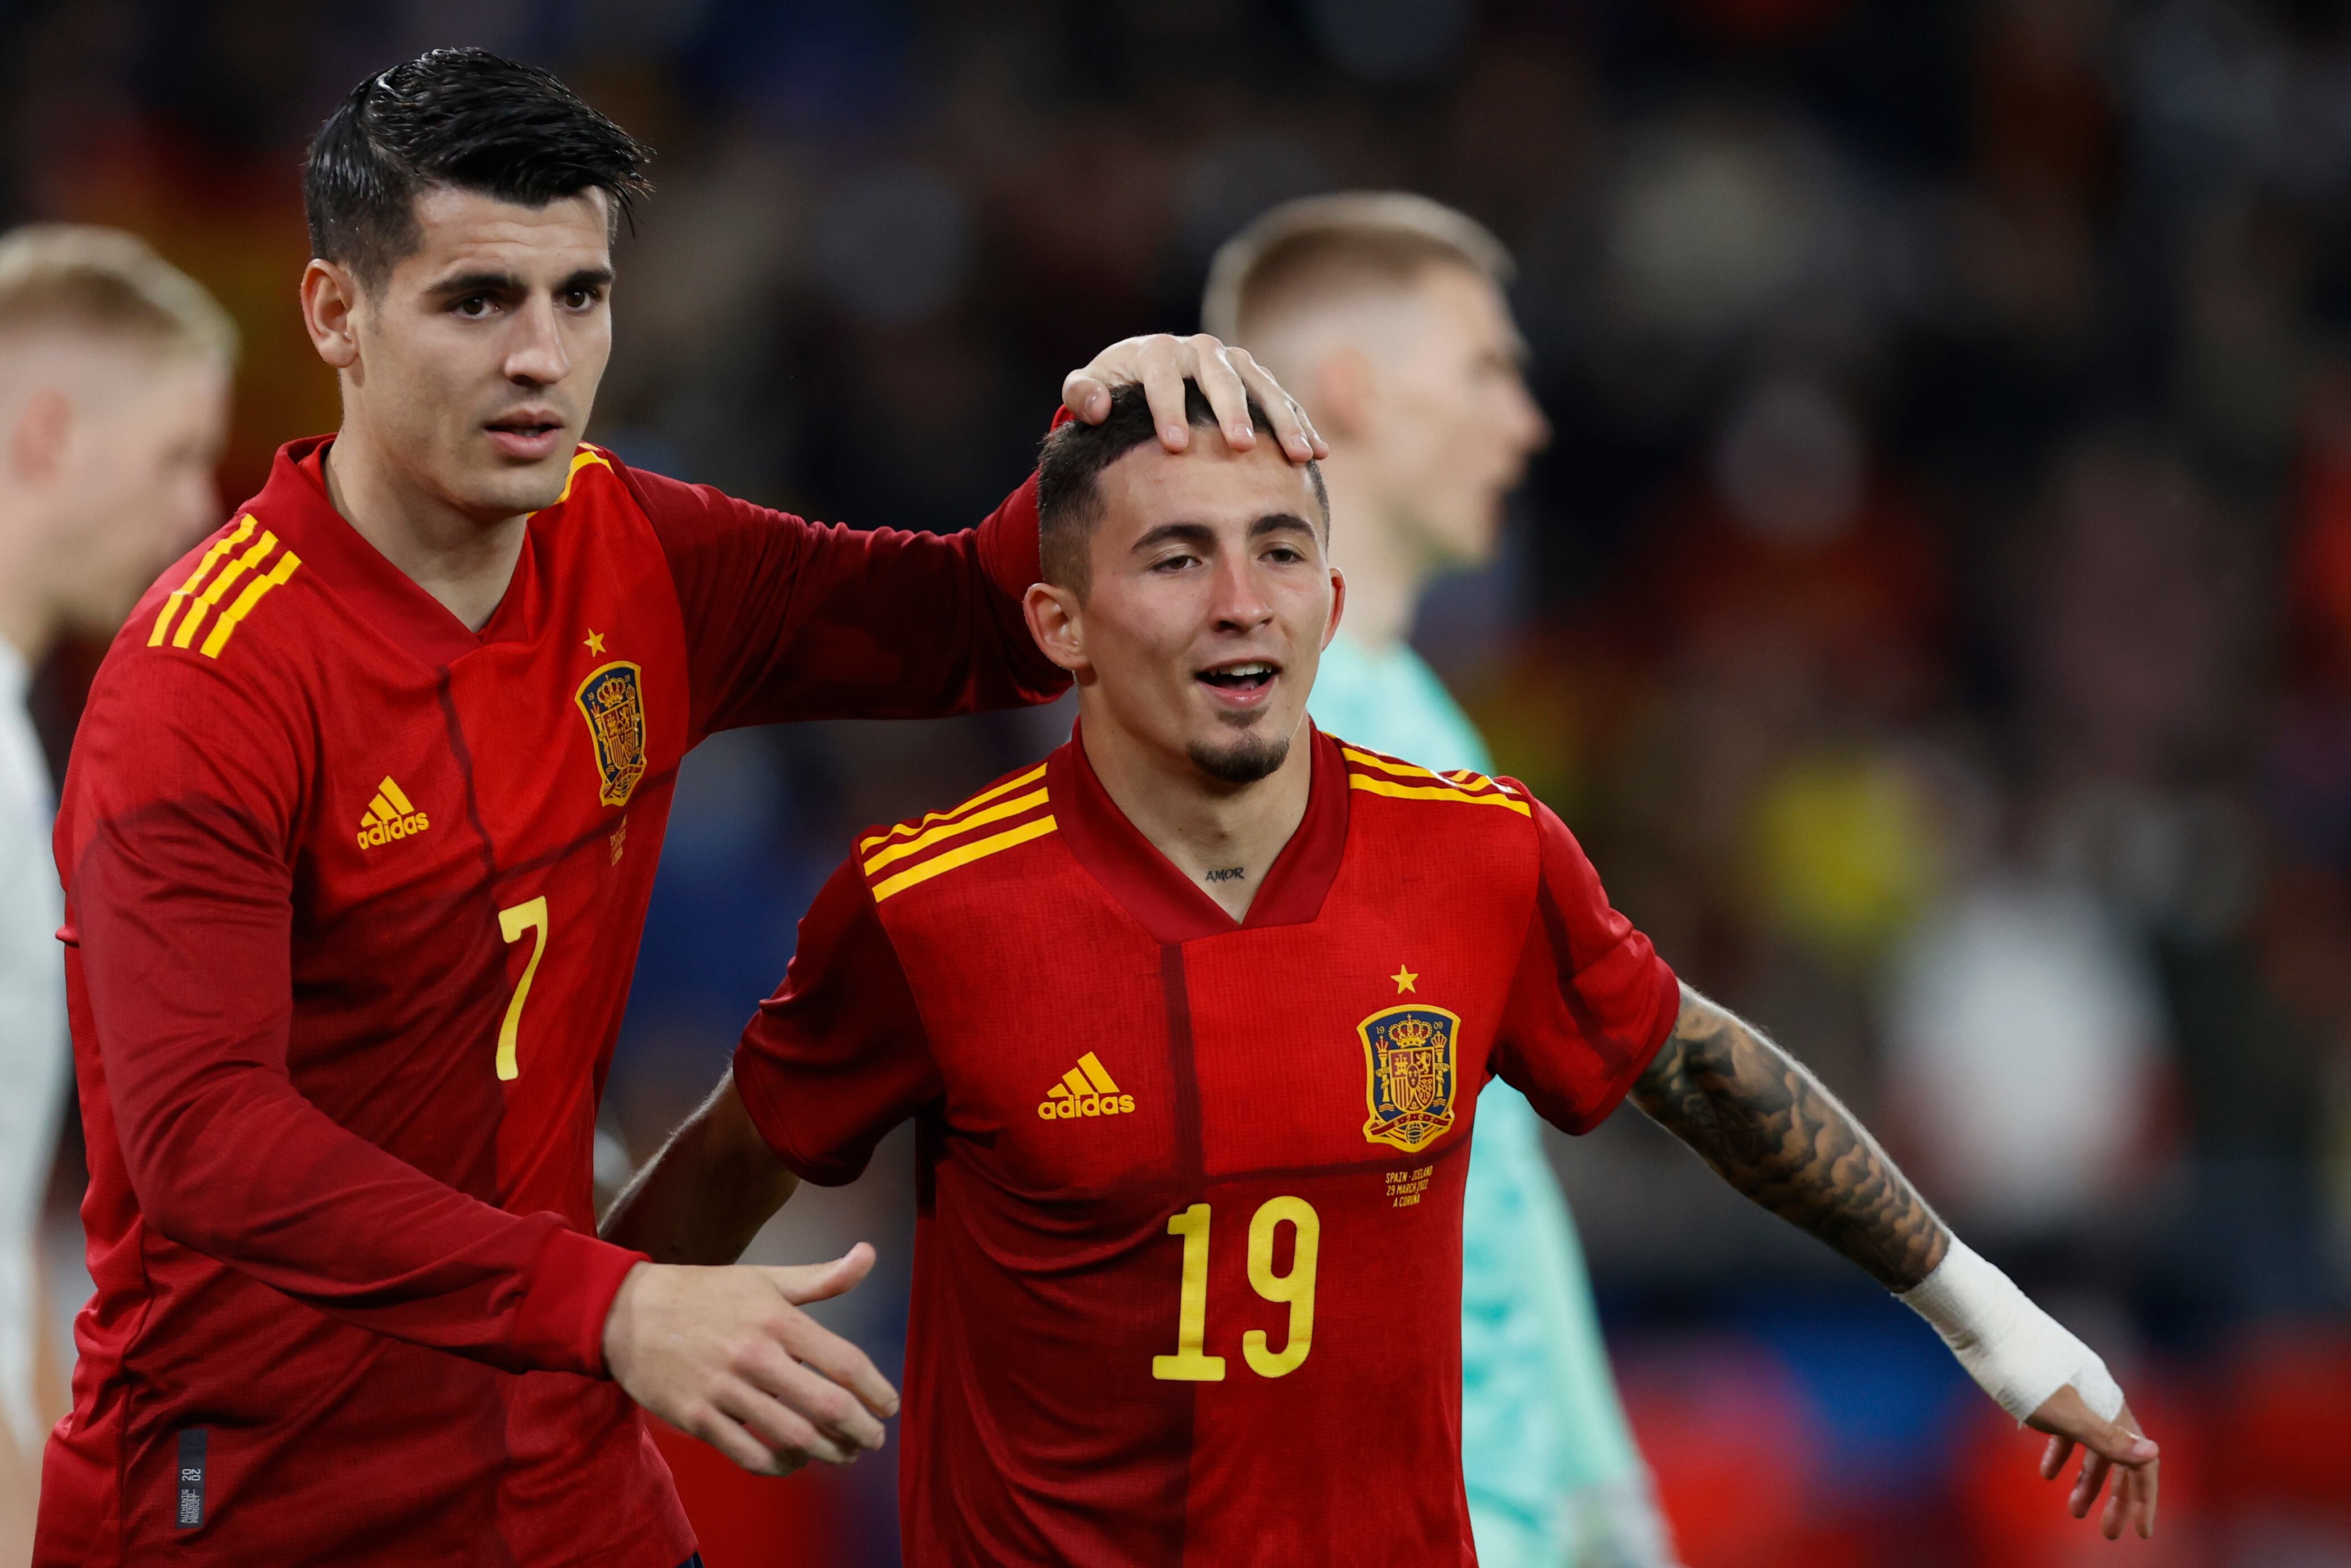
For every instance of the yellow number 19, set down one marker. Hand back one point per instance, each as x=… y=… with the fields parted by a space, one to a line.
x=1296 y=1288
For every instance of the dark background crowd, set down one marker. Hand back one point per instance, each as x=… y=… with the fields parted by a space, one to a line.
x=1934 y=613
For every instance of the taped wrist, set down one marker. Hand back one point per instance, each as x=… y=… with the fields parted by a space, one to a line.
x=2018 y=1354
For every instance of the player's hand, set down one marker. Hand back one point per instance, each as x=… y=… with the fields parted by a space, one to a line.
x=2114 y=1447
x=727 y=1356
x=1229 y=376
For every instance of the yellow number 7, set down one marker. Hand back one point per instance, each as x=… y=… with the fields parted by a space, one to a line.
x=513 y=923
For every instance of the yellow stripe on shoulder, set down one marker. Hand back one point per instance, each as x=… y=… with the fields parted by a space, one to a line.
x=1402 y=780
x=921 y=842
x=583 y=458
x=178 y=597
x=964 y=855
x=912 y=829
x=207 y=595
x=1395 y=790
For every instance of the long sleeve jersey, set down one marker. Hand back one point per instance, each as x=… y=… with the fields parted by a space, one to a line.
x=353 y=896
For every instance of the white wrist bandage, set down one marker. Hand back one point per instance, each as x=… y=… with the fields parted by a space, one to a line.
x=2019 y=1354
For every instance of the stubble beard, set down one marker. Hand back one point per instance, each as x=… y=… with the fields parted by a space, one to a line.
x=1244 y=760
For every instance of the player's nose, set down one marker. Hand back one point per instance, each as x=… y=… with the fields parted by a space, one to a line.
x=537 y=354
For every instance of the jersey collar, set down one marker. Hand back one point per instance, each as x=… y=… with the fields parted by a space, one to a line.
x=295 y=505
x=1161 y=898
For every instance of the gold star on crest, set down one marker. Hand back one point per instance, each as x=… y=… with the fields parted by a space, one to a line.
x=593 y=641
x=1404 y=977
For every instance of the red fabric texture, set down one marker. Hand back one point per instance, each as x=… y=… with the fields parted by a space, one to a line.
x=985 y=971
x=340 y=1086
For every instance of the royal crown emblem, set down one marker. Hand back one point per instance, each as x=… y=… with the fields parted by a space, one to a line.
x=613 y=701
x=1408 y=1061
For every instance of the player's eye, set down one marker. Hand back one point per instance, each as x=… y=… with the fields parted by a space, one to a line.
x=1285 y=555
x=579 y=298
x=473 y=307
x=1170 y=563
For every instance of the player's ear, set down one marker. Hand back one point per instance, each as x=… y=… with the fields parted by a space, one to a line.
x=1338 y=604
x=330 y=296
x=38 y=439
x=1341 y=390
x=1057 y=620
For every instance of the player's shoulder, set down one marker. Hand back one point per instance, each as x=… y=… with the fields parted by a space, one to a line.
x=1423 y=797
x=966 y=848
x=239 y=605
x=604 y=485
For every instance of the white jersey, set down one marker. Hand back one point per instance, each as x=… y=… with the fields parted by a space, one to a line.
x=35 y=1055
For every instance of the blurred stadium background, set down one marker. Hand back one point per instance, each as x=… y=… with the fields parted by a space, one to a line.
x=1935 y=611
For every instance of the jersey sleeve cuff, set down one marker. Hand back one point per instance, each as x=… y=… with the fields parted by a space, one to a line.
x=1665 y=1006
x=1008 y=550
x=559 y=1327
x=775 y=1129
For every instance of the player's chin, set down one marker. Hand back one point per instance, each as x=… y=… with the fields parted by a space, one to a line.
x=504 y=488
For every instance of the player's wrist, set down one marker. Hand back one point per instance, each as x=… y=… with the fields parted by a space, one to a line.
x=2016 y=1352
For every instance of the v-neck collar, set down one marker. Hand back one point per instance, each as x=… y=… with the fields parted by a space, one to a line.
x=1162 y=899
x=296 y=506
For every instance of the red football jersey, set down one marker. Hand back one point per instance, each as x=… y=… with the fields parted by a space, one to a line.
x=1187 y=1271
x=353 y=898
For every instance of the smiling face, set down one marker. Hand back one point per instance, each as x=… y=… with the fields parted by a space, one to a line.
x=1209 y=603
x=473 y=366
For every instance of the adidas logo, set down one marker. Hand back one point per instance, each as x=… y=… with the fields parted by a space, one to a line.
x=390 y=816
x=1085 y=1090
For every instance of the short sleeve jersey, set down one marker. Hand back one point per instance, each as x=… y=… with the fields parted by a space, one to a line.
x=353 y=896
x=1188 y=1267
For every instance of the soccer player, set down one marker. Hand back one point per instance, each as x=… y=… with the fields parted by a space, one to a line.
x=356 y=841
x=114 y=376
x=1193 y=1018
x=1386 y=311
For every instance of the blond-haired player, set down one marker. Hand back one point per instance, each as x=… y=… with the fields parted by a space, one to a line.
x=114 y=379
x=1384 y=313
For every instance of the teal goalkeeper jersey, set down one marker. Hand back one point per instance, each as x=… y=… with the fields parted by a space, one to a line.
x=1540 y=1420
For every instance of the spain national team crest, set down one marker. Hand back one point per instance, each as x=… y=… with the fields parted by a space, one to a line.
x=1408 y=1058
x=612 y=700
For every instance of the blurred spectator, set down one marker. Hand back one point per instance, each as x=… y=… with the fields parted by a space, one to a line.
x=114 y=371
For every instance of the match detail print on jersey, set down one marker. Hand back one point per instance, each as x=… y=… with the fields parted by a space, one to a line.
x=1085 y=1090
x=1409 y=1072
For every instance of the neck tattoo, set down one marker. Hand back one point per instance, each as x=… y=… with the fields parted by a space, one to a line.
x=1228 y=873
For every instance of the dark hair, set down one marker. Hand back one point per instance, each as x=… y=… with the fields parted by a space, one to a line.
x=464 y=117
x=1069 y=498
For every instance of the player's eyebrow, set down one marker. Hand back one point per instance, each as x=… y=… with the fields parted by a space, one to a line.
x=507 y=283
x=1199 y=534
x=1281 y=522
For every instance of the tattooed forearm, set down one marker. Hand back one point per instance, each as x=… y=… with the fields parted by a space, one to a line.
x=1774 y=1132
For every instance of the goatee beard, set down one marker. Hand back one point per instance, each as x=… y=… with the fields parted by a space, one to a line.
x=1245 y=761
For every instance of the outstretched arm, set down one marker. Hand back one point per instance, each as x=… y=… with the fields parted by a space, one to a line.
x=709 y=1190
x=1774 y=1132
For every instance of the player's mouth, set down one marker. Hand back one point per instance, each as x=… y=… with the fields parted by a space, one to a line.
x=529 y=436
x=1240 y=684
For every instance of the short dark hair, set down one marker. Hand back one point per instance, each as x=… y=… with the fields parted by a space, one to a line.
x=461 y=117
x=1069 y=495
